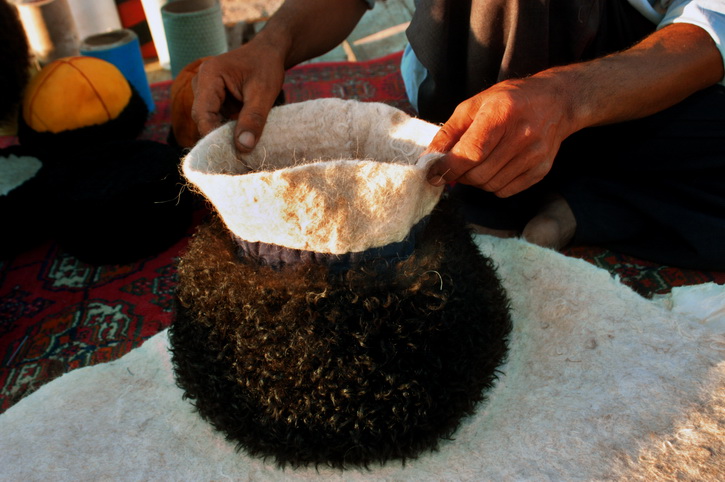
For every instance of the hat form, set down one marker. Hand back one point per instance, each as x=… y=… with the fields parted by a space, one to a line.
x=328 y=176
x=337 y=311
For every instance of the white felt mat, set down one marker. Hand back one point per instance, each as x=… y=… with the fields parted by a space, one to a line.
x=600 y=383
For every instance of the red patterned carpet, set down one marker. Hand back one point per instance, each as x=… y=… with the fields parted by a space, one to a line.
x=58 y=313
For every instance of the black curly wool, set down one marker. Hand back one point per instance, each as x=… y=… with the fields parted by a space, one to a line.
x=309 y=367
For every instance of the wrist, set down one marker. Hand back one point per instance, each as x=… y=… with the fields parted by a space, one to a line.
x=275 y=45
x=563 y=88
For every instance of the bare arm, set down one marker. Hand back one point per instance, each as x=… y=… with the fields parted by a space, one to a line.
x=658 y=72
x=505 y=139
x=252 y=75
x=307 y=28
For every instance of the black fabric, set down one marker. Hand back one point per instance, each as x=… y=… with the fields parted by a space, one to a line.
x=468 y=46
x=653 y=188
x=119 y=202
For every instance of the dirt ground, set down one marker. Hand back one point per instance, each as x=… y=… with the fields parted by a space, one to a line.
x=248 y=10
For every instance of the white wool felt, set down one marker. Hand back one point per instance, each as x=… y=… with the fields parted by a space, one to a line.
x=328 y=175
x=600 y=384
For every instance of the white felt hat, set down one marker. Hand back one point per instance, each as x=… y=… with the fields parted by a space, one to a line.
x=328 y=176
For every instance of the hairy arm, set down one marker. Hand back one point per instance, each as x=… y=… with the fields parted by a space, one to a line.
x=252 y=75
x=307 y=28
x=658 y=72
x=504 y=139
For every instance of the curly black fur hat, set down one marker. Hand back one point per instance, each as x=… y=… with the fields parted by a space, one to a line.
x=335 y=360
x=344 y=369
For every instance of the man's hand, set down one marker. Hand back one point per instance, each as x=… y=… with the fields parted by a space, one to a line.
x=504 y=139
x=250 y=77
x=246 y=80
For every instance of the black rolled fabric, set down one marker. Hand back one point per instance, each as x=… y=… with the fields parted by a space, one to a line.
x=119 y=202
x=374 y=258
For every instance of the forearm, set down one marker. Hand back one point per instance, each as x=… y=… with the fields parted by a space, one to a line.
x=658 y=72
x=505 y=139
x=303 y=29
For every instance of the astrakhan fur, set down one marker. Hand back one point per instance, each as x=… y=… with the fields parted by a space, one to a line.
x=310 y=367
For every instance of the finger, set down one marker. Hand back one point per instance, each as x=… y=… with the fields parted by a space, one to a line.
x=453 y=129
x=258 y=101
x=471 y=151
x=517 y=185
x=205 y=110
x=510 y=169
x=510 y=180
x=447 y=135
x=501 y=166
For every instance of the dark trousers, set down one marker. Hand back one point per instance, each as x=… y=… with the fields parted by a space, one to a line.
x=653 y=187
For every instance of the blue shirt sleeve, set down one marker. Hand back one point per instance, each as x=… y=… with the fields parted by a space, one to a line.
x=706 y=14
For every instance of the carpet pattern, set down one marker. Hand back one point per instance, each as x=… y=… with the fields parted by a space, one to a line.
x=609 y=385
x=644 y=277
x=375 y=81
x=58 y=313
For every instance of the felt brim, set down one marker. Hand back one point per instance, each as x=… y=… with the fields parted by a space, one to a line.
x=327 y=175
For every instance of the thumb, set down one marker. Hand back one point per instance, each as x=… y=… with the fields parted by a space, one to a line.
x=250 y=124
x=252 y=118
x=444 y=140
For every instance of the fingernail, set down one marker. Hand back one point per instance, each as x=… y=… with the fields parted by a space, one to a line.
x=436 y=180
x=246 y=139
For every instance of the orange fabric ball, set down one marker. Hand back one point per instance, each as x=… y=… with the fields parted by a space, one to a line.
x=75 y=92
x=182 y=98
